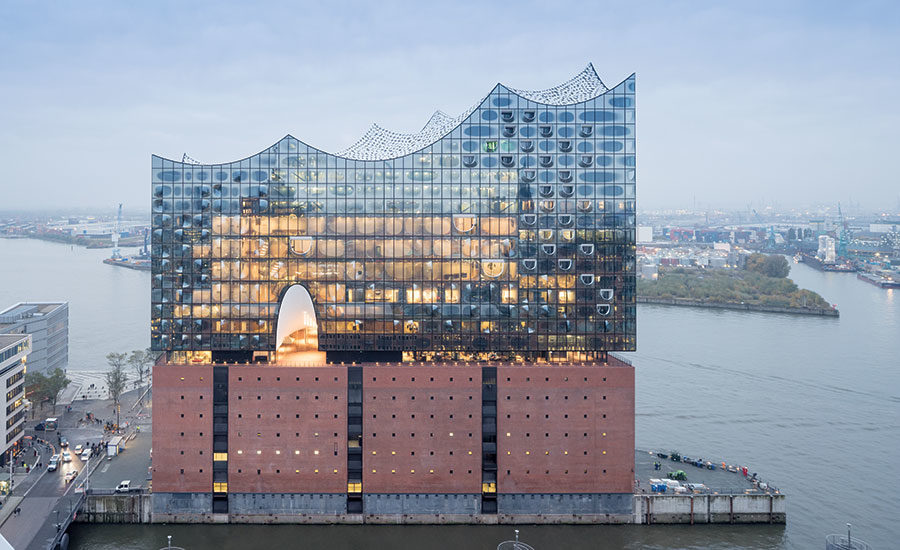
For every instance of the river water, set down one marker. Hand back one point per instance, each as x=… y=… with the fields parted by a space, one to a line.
x=811 y=403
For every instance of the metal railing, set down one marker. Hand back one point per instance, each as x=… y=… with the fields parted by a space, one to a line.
x=69 y=505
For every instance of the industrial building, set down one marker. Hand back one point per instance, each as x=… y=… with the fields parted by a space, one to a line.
x=417 y=328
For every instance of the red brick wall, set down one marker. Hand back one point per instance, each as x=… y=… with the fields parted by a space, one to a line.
x=409 y=413
x=182 y=428
x=565 y=429
x=279 y=417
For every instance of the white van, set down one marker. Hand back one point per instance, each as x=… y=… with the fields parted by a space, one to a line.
x=124 y=487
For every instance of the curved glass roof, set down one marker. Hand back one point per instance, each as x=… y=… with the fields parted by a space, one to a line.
x=381 y=144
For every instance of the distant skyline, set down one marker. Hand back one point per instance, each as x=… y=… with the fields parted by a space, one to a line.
x=738 y=102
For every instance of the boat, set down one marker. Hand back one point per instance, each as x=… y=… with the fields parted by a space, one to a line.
x=813 y=261
x=131 y=263
x=877 y=280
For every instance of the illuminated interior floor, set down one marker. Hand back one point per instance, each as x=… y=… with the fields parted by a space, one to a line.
x=301 y=349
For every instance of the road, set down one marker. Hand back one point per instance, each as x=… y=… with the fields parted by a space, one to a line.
x=46 y=498
x=39 y=502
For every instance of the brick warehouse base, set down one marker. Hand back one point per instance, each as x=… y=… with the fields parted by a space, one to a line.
x=437 y=443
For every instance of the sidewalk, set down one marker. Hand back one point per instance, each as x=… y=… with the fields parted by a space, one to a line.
x=9 y=506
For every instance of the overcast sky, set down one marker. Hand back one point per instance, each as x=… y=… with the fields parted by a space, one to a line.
x=794 y=102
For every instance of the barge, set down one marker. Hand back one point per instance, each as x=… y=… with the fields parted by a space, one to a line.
x=880 y=282
x=131 y=263
x=813 y=261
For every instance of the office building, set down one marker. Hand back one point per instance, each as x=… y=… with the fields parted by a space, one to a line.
x=48 y=325
x=418 y=325
x=13 y=351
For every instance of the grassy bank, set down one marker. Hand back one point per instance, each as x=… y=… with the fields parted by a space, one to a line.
x=730 y=287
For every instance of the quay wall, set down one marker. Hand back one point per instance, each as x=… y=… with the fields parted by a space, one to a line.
x=692 y=509
x=121 y=508
x=444 y=509
x=682 y=302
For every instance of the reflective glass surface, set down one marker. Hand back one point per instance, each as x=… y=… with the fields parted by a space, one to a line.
x=514 y=232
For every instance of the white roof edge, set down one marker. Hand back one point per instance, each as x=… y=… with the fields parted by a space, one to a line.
x=381 y=144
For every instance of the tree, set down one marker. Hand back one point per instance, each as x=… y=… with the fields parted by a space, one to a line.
x=56 y=383
x=755 y=262
x=774 y=265
x=116 y=378
x=141 y=361
x=35 y=388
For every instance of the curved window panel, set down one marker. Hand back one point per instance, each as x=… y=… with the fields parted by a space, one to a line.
x=493 y=269
x=464 y=224
x=302 y=246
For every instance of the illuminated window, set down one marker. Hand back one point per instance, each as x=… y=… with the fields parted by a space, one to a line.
x=220 y=487
x=219 y=457
x=493 y=268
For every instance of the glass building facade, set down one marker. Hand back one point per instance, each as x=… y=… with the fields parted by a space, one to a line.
x=506 y=231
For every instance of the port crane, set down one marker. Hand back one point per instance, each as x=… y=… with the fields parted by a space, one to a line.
x=116 y=232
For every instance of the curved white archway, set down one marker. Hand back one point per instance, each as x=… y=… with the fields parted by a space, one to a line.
x=297 y=331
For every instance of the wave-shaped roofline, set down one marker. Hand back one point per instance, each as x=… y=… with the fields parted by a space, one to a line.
x=458 y=121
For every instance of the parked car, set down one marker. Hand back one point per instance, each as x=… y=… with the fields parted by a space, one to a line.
x=124 y=487
x=70 y=475
x=79 y=448
x=67 y=456
x=85 y=455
